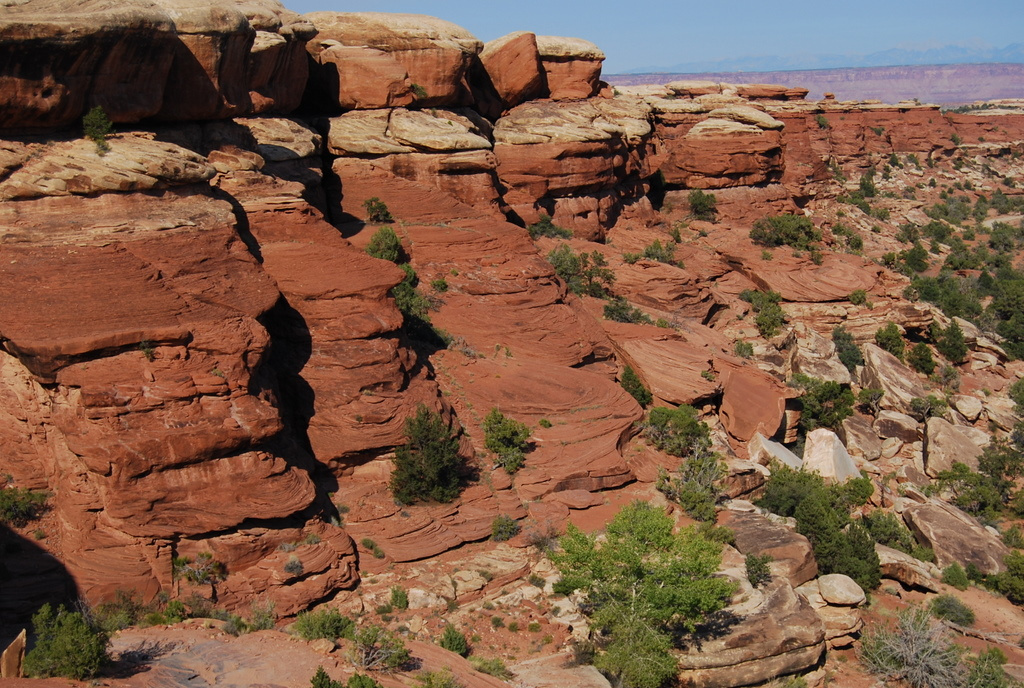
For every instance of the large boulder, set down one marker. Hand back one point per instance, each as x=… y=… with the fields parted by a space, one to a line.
x=436 y=54
x=356 y=77
x=753 y=401
x=825 y=454
x=572 y=66
x=765 y=451
x=169 y=59
x=897 y=425
x=776 y=632
x=902 y=567
x=859 y=437
x=813 y=355
x=513 y=64
x=944 y=445
x=899 y=383
x=955 y=536
x=791 y=553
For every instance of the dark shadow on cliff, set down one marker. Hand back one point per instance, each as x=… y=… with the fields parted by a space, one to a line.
x=29 y=578
x=290 y=349
x=717 y=625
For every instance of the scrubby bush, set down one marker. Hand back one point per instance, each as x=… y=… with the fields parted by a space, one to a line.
x=770 y=316
x=443 y=678
x=785 y=230
x=822 y=515
x=19 y=505
x=917 y=651
x=427 y=467
x=949 y=608
x=321 y=679
x=920 y=359
x=825 y=403
x=507 y=438
x=503 y=528
x=323 y=623
x=454 y=640
x=585 y=273
x=743 y=349
x=66 y=645
x=495 y=666
x=619 y=310
x=544 y=227
x=361 y=681
x=677 y=431
x=696 y=485
x=203 y=570
x=378 y=649
x=950 y=343
x=631 y=383
x=399 y=597
x=377 y=210
x=888 y=529
x=758 y=571
x=386 y=245
x=890 y=339
x=923 y=408
x=663 y=253
x=846 y=348
x=702 y=205
x=955 y=575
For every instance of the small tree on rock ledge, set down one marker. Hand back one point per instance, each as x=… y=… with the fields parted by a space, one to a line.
x=428 y=466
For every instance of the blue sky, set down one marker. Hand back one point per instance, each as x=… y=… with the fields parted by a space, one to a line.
x=635 y=35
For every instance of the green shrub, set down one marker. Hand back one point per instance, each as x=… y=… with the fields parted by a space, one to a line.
x=619 y=310
x=917 y=652
x=920 y=359
x=443 y=678
x=377 y=210
x=822 y=513
x=203 y=570
x=66 y=645
x=631 y=383
x=825 y=403
x=374 y=548
x=822 y=122
x=954 y=575
x=858 y=297
x=770 y=316
x=97 y=127
x=428 y=466
x=503 y=528
x=951 y=344
x=321 y=679
x=926 y=407
x=323 y=623
x=846 y=348
x=494 y=666
x=643 y=584
x=386 y=245
x=662 y=253
x=785 y=230
x=454 y=641
x=19 y=505
x=758 y=571
x=377 y=649
x=399 y=597
x=418 y=91
x=546 y=228
x=890 y=339
x=743 y=349
x=507 y=438
x=439 y=285
x=888 y=529
x=696 y=487
x=949 y=608
x=361 y=681
x=584 y=273
x=702 y=205
x=867 y=184
x=677 y=431
x=123 y=611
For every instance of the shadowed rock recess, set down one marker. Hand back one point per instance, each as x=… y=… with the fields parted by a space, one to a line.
x=199 y=358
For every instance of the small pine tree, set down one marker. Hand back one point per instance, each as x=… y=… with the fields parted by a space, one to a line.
x=377 y=210
x=322 y=680
x=508 y=438
x=920 y=359
x=97 y=127
x=846 y=348
x=454 y=641
x=386 y=245
x=428 y=466
x=889 y=338
x=631 y=383
x=951 y=343
x=66 y=645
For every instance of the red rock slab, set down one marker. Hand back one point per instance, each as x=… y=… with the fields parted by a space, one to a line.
x=591 y=418
x=360 y=78
x=670 y=366
x=800 y=280
x=514 y=67
x=436 y=54
x=575 y=499
x=752 y=400
x=532 y=171
x=742 y=156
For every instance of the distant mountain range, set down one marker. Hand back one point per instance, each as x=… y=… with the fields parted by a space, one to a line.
x=954 y=84
x=947 y=54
